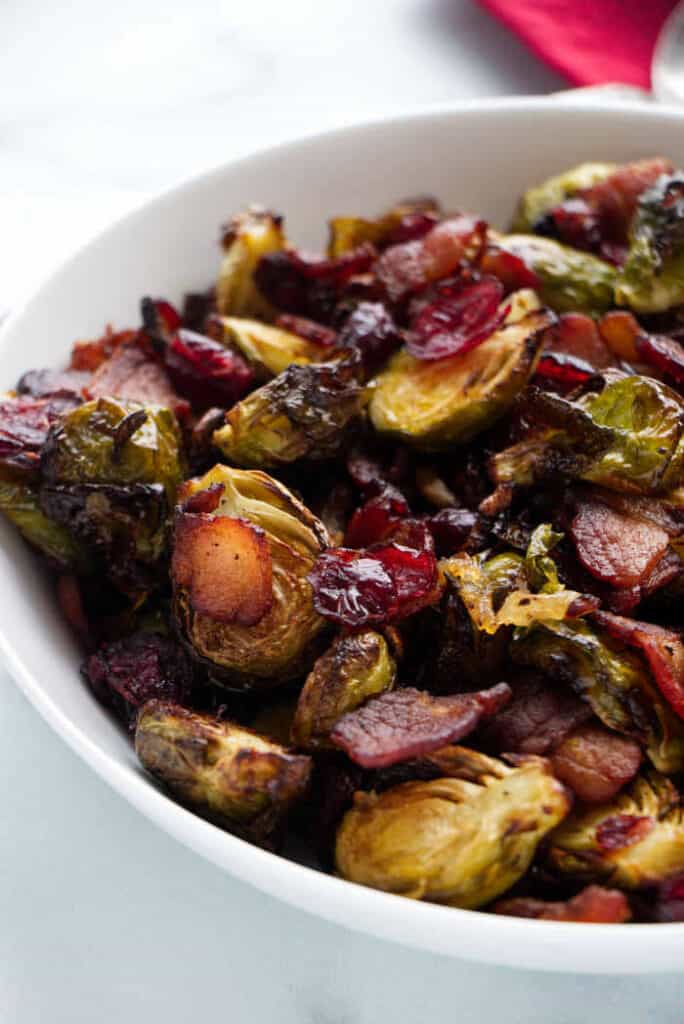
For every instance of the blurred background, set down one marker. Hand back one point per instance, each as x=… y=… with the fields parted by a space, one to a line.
x=102 y=917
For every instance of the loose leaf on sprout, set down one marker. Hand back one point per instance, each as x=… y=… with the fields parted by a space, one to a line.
x=662 y=648
x=408 y=723
x=462 y=317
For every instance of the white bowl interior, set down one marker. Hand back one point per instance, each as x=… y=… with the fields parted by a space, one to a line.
x=478 y=157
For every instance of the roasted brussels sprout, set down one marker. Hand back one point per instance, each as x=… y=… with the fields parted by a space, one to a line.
x=628 y=437
x=302 y=413
x=461 y=840
x=567 y=279
x=20 y=503
x=408 y=219
x=357 y=666
x=241 y=596
x=434 y=404
x=110 y=471
x=229 y=774
x=637 y=840
x=612 y=679
x=652 y=279
x=268 y=349
x=246 y=238
x=538 y=200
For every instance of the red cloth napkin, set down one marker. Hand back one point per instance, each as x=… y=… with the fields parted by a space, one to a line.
x=589 y=41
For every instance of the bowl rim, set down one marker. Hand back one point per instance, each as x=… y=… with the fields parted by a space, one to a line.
x=470 y=935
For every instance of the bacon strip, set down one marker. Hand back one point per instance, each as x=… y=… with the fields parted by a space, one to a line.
x=615 y=547
x=662 y=648
x=596 y=763
x=593 y=905
x=407 y=723
x=130 y=373
x=537 y=719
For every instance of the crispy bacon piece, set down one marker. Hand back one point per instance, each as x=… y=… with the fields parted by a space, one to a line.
x=130 y=373
x=24 y=426
x=67 y=384
x=309 y=329
x=596 y=763
x=225 y=566
x=409 y=267
x=593 y=905
x=616 y=547
x=623 y=830
x=663 y=353
x=614 y=200
x=403 y=724
x=662 y=648
x=88 y=355
x=621 y=331
x=577 y=335
x=537 y=719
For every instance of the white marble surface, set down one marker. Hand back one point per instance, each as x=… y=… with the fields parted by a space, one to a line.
x=103 y=918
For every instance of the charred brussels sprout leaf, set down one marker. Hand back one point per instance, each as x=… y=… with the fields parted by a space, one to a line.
x=637 y=840
x=357 y=666
x=612 y=679
x=269 y=350
x=652 y=279
x=20 y=503
x=538 y=200
x=110 y=473
x=448 y=401
x=462 y=840
x=628 y=438
x=567 y=279
x=232 y=776
x=496 y=593
x=302 y=413
x=246 y=238
x=250 y=619
x=404 y=222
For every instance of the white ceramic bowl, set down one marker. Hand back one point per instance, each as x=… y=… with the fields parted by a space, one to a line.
x=478 y=156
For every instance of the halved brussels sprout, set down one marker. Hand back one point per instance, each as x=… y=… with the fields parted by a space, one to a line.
x=233 y=776
x=652 y=279
x=108 y=441
x=110 y=472
x=348 y=233
x=636 y=840
x=461 y=840
x=629 y=437
x=302 y=413
x=263 y=638
x=612 y=679
x=434 y=404
x=536 y=202
x=269 y=350
x=246 y=238
x=20 y=503
x=568 y=280
x=357 y=666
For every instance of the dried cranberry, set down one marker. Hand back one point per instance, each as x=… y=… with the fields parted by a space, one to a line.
x=169 y=314
x=308 y=329
x=622 y=830
x=124 y=674
x=374 y=520
x=462 y=317
x=206 y=372
x=382 y=583
x=450 y=528
x=306 y=285
x=371 y=331
x=663 y=353
x=563 y=370
x=510 y=269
